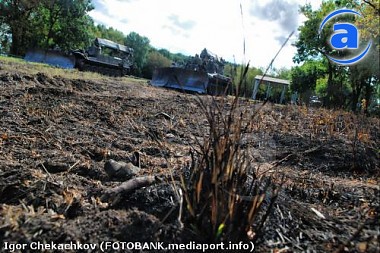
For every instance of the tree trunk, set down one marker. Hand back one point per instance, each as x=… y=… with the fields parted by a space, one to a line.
x=330 y=91
x=16 y=47
x=356 y=89
x=20 y=30
x=368 y=93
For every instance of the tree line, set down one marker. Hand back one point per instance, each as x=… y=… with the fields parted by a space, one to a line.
x=65 y=24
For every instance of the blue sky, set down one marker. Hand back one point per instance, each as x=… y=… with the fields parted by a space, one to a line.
x=188 y=26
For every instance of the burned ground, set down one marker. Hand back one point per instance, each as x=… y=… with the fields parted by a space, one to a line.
x=56 y=133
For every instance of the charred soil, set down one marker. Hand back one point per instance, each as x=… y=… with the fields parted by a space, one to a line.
x=57 y=133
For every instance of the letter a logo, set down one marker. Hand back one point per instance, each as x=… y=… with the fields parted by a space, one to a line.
x=345 y=36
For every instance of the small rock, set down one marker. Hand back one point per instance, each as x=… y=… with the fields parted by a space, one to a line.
x=170 y=136
x=120 y=170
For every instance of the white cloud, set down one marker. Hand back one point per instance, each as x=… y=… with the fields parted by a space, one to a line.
x=188 y=26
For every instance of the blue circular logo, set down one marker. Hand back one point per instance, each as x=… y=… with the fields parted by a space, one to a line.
x=345 y=36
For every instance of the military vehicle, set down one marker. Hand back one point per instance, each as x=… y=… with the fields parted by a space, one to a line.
x=106 y=57
x=202 y=74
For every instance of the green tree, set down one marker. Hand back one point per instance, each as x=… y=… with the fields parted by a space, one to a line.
x=101 y=31
x=304 y=78
x=283 y=73
x=321 y=87
x=165 y=53
x=141 y=47
x=177 y=58
x=155 y=60
x=17 y=14
x=235 y=71
x=62 y=23
x=365 y=75
x=312 y=45
x=369 y=23
x=46 y=23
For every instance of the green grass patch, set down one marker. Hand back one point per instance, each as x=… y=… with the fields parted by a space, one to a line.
x=13 y=64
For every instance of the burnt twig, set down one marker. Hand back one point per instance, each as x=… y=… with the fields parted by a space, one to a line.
x=127 y=187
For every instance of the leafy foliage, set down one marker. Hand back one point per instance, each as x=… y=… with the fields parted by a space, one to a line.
x=17 y=15
x=369 y=23
x=155 y=60
x=305 y=77
x=177 y=58
x=236 y=71
x=141 y=46
x=312 y=47
x=101 y=31
x=64 y=24
x=46 y=24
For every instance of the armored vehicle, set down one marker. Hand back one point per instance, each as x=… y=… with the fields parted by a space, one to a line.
x=202 y=74
x=106 y=57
